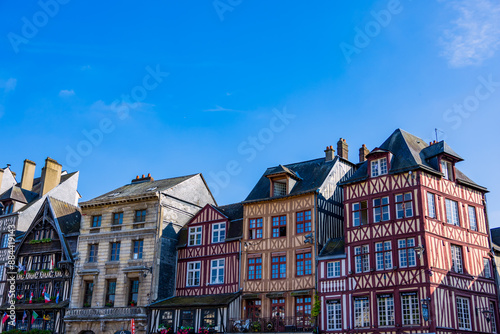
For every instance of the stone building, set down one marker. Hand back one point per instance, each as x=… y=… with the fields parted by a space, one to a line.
x=128 y=236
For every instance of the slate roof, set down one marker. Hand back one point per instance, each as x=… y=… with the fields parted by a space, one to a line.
x=495 y=236
x=333 y=247
x=196 y=301
x=20 y=195
x=138 y=188
x=68 y=216
x=281 y=169
x=312 y=175
x=411 y=153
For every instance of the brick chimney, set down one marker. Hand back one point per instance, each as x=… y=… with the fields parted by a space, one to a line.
x=28 y=175
x=51 y=176
x=142 y=179
x=363 y=152
x=343 y=149
x=329 y=153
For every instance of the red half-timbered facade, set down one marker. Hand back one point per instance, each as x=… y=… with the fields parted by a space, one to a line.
x=417 y=255
x=207 y=290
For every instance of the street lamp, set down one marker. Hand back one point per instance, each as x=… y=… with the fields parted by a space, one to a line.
x=486 y=311
x=419 y=250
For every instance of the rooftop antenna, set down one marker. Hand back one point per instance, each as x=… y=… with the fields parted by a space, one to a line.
x=436 y=129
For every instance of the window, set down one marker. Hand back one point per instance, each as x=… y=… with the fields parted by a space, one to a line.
x=140 y=216
x=193 y=273
x=137 y=251
x=493 y=318
x=381 y=209
x=278 y=267
x=431 y=205
x=218 y=232
x=410 y=307
x=87 y=296
x=117 y=221
x=93 y=248
x=379 y=167
x=304 y=264
x=456 y=259
x=333 y=269
x=303 y=311
x=486 y=268
x=383 y=254
x=452 y=212
x=404 y=205
x=304 y=221
x=361 y=259
x=5 y=240
x=385 y=304
x=254 y=309
x=217 y=272
x=361 y=312
x=447 y=170
x=255 y=268
x=187 y=319
x=134 y=292
x=115 y=251
x=334 y=315
x=360 y=213
x=279 y=226
x=255 y=228
x=279 y=188
x=208 y=318
x=167 y=319
x=278 y=308
x=195 y=236
x=406 y=249
x=463 y=313
x=472 y=218
x=110 y=293
x=96 y=221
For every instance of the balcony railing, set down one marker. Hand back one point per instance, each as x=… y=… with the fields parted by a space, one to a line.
x=333 y=285
x=274 y=324
x=105 y=313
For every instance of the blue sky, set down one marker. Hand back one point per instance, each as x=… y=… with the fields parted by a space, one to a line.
x=230 y=87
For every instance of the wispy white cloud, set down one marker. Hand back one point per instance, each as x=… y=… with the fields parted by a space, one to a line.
x=219 y=109
x=8 y=85
x=475 y=35
x=66 y=93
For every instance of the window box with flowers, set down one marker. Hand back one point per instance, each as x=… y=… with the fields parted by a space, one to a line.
x=185 y=330
x=162 y=329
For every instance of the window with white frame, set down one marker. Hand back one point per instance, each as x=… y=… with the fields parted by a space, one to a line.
x=195 y=236
x=379 y=167
x=447 y=169
x=381 y=209
x=218 y=232
x=406 y=250
x=361 y=259
x=410 y=308
x=486 y=268
x=385 y=304
x=452 y=212
x=383 y=255
x=404 y=205
x=456 y=259
x=472 y=218
x=361 y=312
x=333 y=269
x=193 y=273
x=431 y=205
x=463 y=313
x=217 y=271
x=360 y=213
x=334 y=315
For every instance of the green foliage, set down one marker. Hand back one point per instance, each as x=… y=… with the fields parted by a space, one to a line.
x=316 y=309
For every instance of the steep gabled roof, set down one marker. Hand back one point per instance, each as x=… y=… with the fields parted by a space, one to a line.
x=333 y=248
x=281 y=170
x=20 y=195
x=138 y=189
x=410 y=153
x=312 y=175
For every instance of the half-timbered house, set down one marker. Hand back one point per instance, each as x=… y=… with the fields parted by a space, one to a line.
x=208 y=286
x=417 y=246
x=289 y=215
x=45 y=255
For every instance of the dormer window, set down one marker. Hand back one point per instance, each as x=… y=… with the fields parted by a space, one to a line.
x=279 y=188
x=379 y=167
x=447 y=169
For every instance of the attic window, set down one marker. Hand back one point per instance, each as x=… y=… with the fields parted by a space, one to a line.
x=113 y=194
x=279 y=188
x=379 y=167
x=152 y=189
x=447 y=169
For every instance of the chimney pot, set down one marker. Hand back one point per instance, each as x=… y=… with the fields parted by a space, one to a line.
x=329 y=153
x=149 y=174
x=142 y=175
